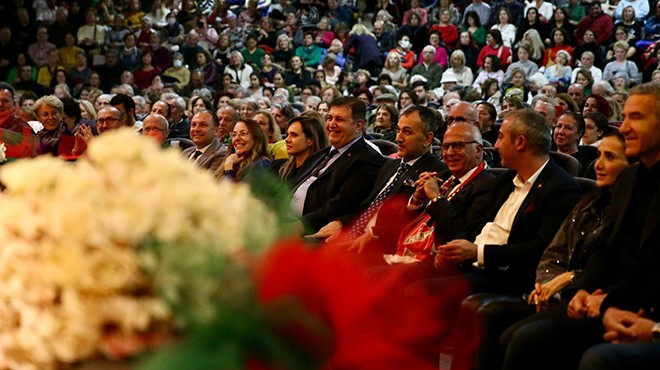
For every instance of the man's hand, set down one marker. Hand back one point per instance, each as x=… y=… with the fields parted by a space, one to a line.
x=328 y=232
x=626 y=326
x=577 y=307
x=458 y=251
x=426 y=186
x=542 y=293
x=359 y=243
x=585 y=305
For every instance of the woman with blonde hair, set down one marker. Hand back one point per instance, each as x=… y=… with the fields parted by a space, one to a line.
x=329 y=93
x=330 y=68
x=87 y=110
x=532 y=38
x=368 y=56
x=395 y=70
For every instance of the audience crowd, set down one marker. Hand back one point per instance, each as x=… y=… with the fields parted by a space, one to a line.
x=510 y=145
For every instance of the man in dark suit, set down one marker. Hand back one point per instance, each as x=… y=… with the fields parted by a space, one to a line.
x=621 y=280
x=207 y=153
x=414 y=138
x=337 y=179
x=528 y=204
x=458 y=203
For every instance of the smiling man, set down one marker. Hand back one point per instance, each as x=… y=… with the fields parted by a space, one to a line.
x=339 y=178
x=413 y=138
x=207 y=153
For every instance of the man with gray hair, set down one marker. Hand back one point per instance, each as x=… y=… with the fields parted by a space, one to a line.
x=428 y=68
x=602 y=88
x=179 y=123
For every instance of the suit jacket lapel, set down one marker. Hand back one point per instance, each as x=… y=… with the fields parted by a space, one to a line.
x=652 y=219
x=622 y=198
x=208 y=153
x=344 y=157
x=314 y=161
x=531 y=196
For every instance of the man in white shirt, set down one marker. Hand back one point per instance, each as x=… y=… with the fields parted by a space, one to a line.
x=528 y=204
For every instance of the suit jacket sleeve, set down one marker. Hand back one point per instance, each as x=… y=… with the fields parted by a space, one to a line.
x=533 y=230
x=465 y=212
x=352 y=189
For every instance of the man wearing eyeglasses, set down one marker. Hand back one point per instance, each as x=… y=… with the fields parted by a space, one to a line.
x=109 y=118
x=463 y=112
x=156 y=126
x=207 y=153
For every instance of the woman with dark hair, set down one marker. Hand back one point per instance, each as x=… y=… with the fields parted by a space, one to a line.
x=472 y=24
x=304 y=135
x=531 y=22
x=567 y=134
x=142 y=76
x=447 y=29
x=560 y=19
x=495 y=47
x=206 y=65
x=596 y=103
x=505 y=27
x=418 y=32
x=470 y=50
x=407 y=98
x=589 y=44
x=256 y=87
x=199 y=104
x=387 y=117
x=584 y=78
x=595 y=127
x=492 y=69
x=568 y=104
x=559 y=37
x=247 y=153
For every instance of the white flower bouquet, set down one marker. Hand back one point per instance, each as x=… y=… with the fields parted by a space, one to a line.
x=103 y=248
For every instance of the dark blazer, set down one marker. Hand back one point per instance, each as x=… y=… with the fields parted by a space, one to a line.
x=212 y=158
x=390 y=213
x=629 y=272
x=466 y=210
x=550 y=199
x=342 y=186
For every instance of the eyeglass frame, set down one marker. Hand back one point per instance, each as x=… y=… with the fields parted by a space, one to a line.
x=457 y=145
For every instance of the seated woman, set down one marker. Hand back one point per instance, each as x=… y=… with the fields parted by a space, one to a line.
x=567 y=134
x=559 y=37
x=304 y=135
x=596 y=103
x=621 y=64
x=276 y=148
x=55 y=137
x=559 y=74
x=492 y=69
x=387 y=116
x=562 y=261
x=247 y=152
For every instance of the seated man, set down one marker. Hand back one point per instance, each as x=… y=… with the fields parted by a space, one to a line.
x=207 y=153
x=621 y=278
x=528 y=204
x=414 y=139
x=337 y=179
x=156 y=126
x=17 y=135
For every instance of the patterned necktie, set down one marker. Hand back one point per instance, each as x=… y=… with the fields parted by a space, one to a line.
x=364 y=218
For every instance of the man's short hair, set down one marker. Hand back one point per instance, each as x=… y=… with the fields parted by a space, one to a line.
x=649 y=88
x=429 y=122
x=176 y=98
x=531 y=125
x=357 y=107
x=124 y=99
x=8 y=87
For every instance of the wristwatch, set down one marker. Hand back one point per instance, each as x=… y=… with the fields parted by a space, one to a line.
x=655 y=332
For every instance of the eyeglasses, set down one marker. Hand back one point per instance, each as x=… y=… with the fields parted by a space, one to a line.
x=451 y=120
x=104 y=121
x=147 y=130
x=457 y=145
x=240 y=134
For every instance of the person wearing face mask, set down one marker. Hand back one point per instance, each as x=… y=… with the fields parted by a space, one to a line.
x=403 y=49
x=173 y=33
x=178 y=71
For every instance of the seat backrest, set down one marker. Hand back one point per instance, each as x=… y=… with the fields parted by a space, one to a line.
x=178 y=143
x=567 y=162
x=492 y=157
x=386 y=147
